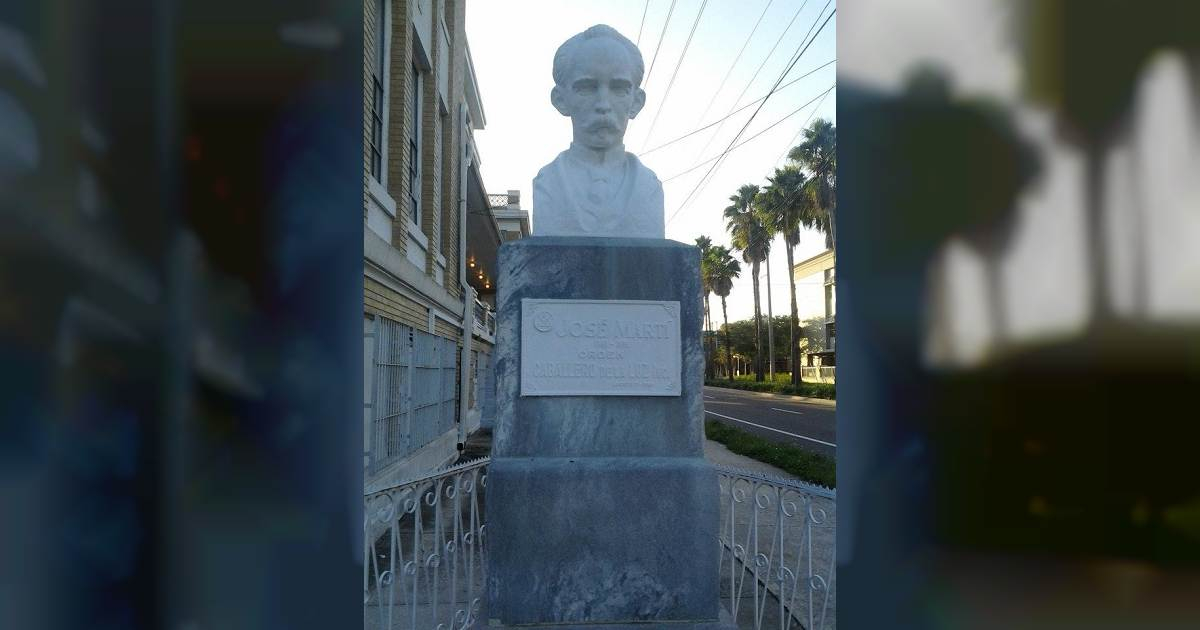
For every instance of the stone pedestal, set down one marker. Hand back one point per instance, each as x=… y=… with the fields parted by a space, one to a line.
x=601 y=510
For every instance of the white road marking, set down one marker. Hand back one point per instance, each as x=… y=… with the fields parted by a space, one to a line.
x=798 y=413
x=802 y=437
x=709 y=397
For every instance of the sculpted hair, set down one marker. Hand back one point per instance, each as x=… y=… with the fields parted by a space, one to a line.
x=563 y=57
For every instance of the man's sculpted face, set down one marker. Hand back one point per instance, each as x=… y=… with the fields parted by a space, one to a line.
x=599 y=95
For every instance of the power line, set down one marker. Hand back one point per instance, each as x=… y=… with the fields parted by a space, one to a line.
x=759 y=69
x=640 y=26
x=791 y=197
x=801 y=49
x=761 y=132
x=742 y=108
x=774 y=88
x=675 y=73
x=735 y=61
x=792 y=142
x=657 y=46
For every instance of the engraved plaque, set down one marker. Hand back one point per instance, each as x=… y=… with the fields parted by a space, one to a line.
x=600 y=348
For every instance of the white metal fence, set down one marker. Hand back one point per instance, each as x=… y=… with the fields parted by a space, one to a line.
x=821 y=374
x=414 y=390
x=777 y=551
x=424 y=551
x=485 y=321
x=425 y=546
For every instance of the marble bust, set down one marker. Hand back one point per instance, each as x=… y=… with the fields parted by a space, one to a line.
x=595 y=187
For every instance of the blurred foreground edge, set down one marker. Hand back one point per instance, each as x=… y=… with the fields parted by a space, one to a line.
x=1048 y=487
x=179 y=327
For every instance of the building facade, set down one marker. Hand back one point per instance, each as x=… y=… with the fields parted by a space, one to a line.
x=429 y=239
x=816 y=289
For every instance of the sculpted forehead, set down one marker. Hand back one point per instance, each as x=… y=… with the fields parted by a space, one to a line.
x=600 y=55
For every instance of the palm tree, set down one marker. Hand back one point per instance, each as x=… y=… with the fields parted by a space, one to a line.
x=784 y=208
x=817 y=154
x=753 y=240
x=705 y=245
x=724 y=269
x=771 y=232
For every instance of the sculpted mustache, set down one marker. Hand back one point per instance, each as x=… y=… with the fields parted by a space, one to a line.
x=602 y=124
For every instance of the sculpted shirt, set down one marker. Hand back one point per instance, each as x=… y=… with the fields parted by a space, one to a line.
x=572 y=198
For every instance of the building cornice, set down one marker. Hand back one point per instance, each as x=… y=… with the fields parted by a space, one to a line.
x=820 y=262
x=379 y=255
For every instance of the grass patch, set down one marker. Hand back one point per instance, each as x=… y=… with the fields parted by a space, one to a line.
x=809 y=466
x=781 y=386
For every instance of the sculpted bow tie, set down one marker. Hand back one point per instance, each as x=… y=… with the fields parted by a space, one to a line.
x=603 y=186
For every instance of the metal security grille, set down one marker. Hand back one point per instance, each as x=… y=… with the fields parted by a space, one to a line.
x=415 y=391
x=485 y=389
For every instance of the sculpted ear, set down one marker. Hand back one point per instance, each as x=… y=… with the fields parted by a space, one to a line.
x=559 y=100
x=639 y=101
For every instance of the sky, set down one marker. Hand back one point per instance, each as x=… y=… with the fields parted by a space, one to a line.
x=1043 y=272
x=513 y=44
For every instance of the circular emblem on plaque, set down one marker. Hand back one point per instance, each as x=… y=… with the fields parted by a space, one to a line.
x=543 y=321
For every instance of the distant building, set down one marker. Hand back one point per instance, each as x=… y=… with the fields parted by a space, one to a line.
x=430 y=240
x=820 y=271
x=511 y=219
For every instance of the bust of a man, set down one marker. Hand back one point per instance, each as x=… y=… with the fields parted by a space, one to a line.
x=596 y=188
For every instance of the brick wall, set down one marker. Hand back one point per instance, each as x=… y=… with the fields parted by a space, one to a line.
x=369 y=22
x=443 y=329
x=378 y=299
x=431 y=158
x=452 y=139
x=399 y=120
x=441 y=153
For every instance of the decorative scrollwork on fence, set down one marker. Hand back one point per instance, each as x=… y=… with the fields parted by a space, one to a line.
x=426 y=544
x=424 y=561
x=786 y=528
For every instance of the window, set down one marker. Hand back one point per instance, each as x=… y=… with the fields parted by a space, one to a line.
x=414 y=150
x=377 y=97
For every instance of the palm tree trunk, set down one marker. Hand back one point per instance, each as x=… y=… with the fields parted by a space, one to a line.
x=996 y=303
x=1097 y=243
x=831 y=235
x=1139 y=234
x=770 y=326
x=942 y=330
x=728 y=350
x=758 y=364
x=794 y=332
x=707 y=338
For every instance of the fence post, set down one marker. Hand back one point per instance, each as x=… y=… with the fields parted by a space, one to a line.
x=406 y=399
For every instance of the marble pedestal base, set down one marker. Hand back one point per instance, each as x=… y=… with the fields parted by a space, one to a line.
x=601 y=509
x=602 y=539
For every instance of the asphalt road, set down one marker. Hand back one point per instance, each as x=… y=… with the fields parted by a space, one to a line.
x=784 y=419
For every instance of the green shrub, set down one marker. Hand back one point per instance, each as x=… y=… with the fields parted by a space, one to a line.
x=811 y=390
x=809 y=466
